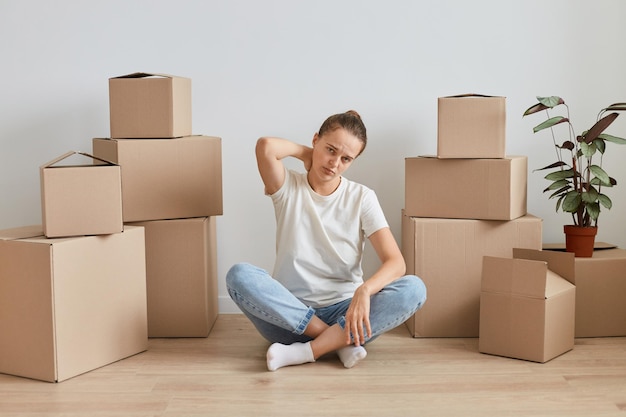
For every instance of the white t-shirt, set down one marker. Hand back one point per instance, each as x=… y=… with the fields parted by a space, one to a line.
x=320 y=239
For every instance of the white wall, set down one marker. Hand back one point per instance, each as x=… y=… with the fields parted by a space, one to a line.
x=280 y=67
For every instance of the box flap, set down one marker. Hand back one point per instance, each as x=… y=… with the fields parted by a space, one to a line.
x=519 y=277
x=562 y=263
x=555 y=284
x=145 y=75
x=23 y=232
x=70 y=153
x=469 y=95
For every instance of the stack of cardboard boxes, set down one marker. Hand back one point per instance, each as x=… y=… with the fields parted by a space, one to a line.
x=172 y=187
x=126 y=249
x=466 y=203
x=73 y=290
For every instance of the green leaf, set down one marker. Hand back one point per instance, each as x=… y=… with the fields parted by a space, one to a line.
x=554 y=165
x=616 y=107
x=571 y=202
x=559 y=192
x=590 y=196
x=551 y=101
x=593 y=209
x=599 y=144
x=557 y=184
x=600 y=174
x=558 y=202
x=605 y=201
x=613 y=139
x=559 y=175
x=550 y=122
x=535 y=108
x=588 y=149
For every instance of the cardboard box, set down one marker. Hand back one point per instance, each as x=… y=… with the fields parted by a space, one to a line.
x=482 y=189
x=144 y=105
x=80 y=199
x=70 y=305
x=447 y=254
x=181 y=265
x=527 y=305
x=600 y=294
x=600 y=288
x=167 y=178
x=471 y=126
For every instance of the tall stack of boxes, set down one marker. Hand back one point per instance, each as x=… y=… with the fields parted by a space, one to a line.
x=172 y=187
x=73 y=290
x=127 y=245
x=467 y=202
x=467 y=234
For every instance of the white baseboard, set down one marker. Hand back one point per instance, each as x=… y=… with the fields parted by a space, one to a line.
x=227 y=305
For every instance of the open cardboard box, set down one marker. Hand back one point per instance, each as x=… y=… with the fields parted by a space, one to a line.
x=527 y=305
x=79 y=198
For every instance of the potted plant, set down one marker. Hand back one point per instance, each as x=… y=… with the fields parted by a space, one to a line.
x=576 y=177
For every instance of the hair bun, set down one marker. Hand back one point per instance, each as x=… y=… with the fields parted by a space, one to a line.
x=354 y=113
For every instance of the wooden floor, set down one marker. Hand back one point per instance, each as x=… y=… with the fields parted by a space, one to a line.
x=225 y=375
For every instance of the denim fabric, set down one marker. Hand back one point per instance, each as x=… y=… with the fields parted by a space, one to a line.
x=281 y=317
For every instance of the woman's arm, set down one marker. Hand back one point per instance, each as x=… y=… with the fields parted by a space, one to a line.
x=393 y=265
x=392 y=268
x=269 y=154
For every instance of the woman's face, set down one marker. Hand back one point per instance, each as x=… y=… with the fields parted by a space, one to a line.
x=333 y=153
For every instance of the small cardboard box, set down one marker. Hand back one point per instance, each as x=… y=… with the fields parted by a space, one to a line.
x=527 y=305
x=70 y=305
x=448 y=254
x=181 y=268
x=144 y=105
x=482 y=189
x=167 y=178
x=471 y=126
x=83 y=199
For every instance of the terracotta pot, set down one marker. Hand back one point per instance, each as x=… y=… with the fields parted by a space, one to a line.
x=580 y=240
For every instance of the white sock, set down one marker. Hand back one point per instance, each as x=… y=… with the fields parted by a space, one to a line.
x=279 y=355
x=351 y=355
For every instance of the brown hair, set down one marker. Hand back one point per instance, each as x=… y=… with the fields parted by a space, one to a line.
x=350 y=121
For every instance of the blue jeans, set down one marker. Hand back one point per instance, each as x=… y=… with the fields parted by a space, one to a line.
x=281 y=317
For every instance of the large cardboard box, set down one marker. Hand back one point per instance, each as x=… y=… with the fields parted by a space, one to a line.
x=167 y=178
x=471 y=126
x=483 y=189
x=80 y=199
x=600 y=289
x=601 y=294
x=143 y=105
x=70 y=305
x=447 y=254
x=527 y=305
x=181 y=265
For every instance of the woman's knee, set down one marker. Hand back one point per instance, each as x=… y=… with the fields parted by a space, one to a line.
x=237 y=275
x=414 y=291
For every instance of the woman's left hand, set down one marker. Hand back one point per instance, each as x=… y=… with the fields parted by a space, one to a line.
x=358 y=318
